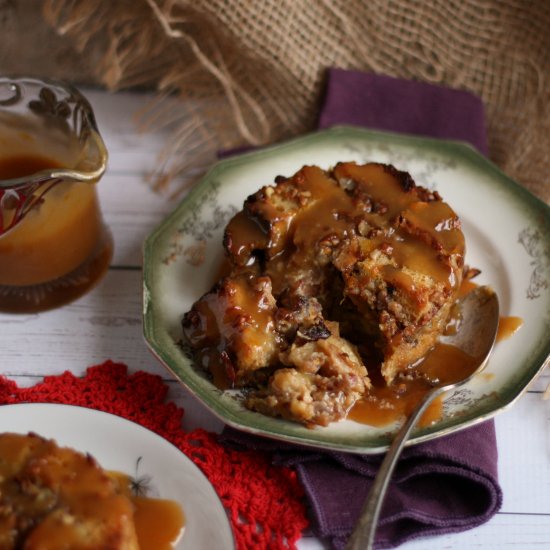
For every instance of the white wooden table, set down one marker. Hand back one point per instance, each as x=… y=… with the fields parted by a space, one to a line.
x=107 y=324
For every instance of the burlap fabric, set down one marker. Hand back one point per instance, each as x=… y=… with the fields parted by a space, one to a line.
x=252 y=72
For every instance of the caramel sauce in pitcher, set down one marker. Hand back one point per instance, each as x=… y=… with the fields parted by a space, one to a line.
x=61 y=242
x=20 y=166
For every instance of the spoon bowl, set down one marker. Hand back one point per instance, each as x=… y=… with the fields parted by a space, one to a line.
x=475 y=336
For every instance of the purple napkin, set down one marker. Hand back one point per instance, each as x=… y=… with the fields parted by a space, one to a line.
x=387 y=103
x=442 y=486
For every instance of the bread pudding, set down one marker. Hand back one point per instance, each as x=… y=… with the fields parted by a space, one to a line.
x=53 y=497
x=334 y=277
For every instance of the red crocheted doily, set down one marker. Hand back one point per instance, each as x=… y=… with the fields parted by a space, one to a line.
x=265 y=502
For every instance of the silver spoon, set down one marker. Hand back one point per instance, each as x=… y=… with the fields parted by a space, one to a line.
x=476 y=337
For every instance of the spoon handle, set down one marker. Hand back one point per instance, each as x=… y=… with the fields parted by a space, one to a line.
x=362 y=537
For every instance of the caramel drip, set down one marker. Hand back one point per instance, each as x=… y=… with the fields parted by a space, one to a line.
x=327 y=215
x=508 y=326
x=380 y=185
x=414 y=254
x=436 y=223
x=243 y=235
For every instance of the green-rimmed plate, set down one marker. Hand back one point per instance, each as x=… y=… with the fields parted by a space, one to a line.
x=507 y=234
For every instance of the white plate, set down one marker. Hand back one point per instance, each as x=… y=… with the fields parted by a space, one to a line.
x=507 y=236
x=126 y=447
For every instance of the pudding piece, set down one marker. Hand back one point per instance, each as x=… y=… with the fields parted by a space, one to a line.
x=329 y=271
x=233 y=328
x=53 y=497
x=403 y=268
x=319 y=380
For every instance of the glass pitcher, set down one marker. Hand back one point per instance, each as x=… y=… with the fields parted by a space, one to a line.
x=54 y=244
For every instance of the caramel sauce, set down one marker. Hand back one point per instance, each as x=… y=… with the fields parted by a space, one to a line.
x=385 y=405
x=223 y=270
x=437 y=222
x=159 y=522
x=380 y=185
x=327 y=213
x=242 y=234
x=466 y=286
x=507 y=326
x=213 y=362
x=62 y=233
x=381 y=410
x=60 y=493
x=20 y=166
x=415 y=254
x=54 y=237
x=446 y=364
